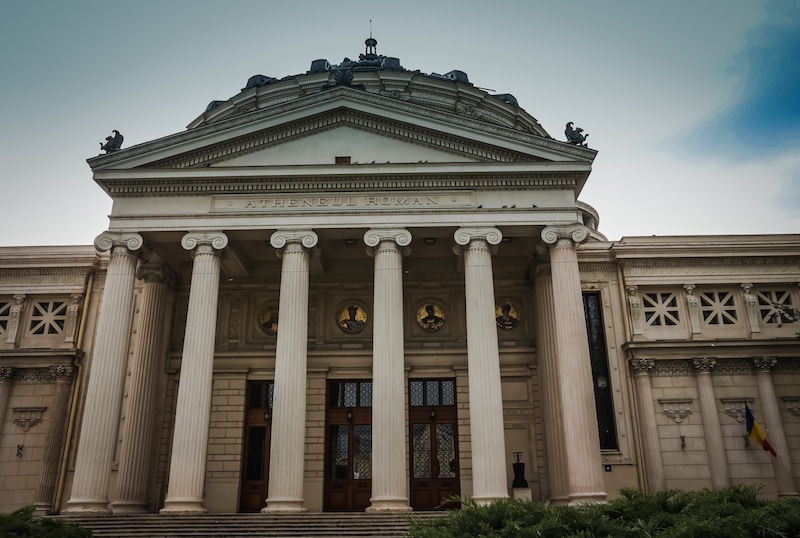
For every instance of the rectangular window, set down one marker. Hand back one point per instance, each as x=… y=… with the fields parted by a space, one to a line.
x=603 y=396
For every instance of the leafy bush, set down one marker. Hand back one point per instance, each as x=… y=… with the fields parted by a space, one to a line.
x=734 y=512
x=22 y=523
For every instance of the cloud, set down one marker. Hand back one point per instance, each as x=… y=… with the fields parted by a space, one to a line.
x=762 y=118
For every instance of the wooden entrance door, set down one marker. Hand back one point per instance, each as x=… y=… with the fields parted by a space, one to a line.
x=348 y=458
x=433 y=440
x=255 y=457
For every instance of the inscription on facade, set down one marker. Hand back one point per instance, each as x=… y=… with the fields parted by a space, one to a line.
x=344 y=201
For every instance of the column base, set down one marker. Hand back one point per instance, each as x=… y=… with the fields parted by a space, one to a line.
x=179 y=507
x=97 y=507
x=284 y=506
x=489 y=499
x=129 y=507
x=389 y=505
x=522 y=493
x=587 y=497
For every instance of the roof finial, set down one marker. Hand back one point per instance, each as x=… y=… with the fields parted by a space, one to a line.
x=371 y=53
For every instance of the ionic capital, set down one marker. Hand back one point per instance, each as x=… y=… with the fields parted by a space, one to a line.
x=307 y=239
x=472 y=238
x=399 y=236
x=108 y=240
x=217 y=241
x=577 y=233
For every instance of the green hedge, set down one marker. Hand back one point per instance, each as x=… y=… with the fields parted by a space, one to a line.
x=735 y=512
x=22 y=523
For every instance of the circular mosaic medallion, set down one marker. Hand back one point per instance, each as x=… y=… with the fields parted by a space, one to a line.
x=430 y=316
x=507 y=315
x=352 y=318
x=267 y=318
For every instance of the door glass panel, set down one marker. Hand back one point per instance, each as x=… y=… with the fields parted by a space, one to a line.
x=338 y=440
x=365 y=399
x=445 y=451
x=421 y=444
x=448 y=393
x=350 y=394
x=362 y=452
x=256 y=444
x=415 y=393
x=433 y=392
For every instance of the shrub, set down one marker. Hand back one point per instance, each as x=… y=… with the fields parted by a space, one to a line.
x=22 y=523
x=734 y=512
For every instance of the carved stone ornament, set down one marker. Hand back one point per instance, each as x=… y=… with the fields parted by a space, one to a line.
x=792 y=405
x=575 y=135
x=267 y=318
x=676 y=408
x=374 y=237
x=734 y=407
x=28 y=417
x=635 y=305
x=492 y=236
x=705 y=364
x=642 y=366
x=108 y=240
x=217 y=240
x=693 y=304
x=764 y=364
x=307 y=238
x=352 y=317
x=430 y=316
x=751 y=306
x=507 y=315
x=113 y=143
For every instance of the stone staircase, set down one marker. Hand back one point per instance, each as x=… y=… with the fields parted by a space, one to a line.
x=245 y=525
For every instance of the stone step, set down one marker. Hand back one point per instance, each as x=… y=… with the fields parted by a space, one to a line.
x=246 y=525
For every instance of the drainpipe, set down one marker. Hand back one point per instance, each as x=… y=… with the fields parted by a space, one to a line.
x=78 y=364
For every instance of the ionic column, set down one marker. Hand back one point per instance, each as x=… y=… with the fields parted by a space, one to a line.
x=581 y=434
x=651 y=449
x=192 y=415
x=774 y=426
x=63 y=377
x=389 y=483
x=712 y=431
x=549 y=384
x=483 y=363
x=6 y=380
x=134 y=465
x=98 y=436
x=291 y=355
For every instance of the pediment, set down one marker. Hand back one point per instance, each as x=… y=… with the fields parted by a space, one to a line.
x=343 y=122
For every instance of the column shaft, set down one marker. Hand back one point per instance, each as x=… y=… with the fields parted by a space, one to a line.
x=190 y=438
x=134 y=465
x=54 y=443
x=712 y=431
x=285 y=490
x=98 y=436
x=389 y=489
x=483 y=361
x=6 y=380
x=774 y=426
x=548 y=369
x=651 y=449
x=581 y=434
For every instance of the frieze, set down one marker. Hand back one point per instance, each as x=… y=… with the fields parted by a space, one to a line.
x=734 y=367
x=695 y=269
x=517 y=412
x=672 y=367
x=338 y=201
x=716 y=366
x=28 y=376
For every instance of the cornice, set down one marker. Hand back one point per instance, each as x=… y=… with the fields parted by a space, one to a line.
x=193 y=186
x=345 y=94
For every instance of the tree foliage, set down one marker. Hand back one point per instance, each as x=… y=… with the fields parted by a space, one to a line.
x=22 y=523
x=734 y=512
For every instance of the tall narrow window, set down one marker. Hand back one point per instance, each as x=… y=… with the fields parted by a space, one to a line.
x=603 y=397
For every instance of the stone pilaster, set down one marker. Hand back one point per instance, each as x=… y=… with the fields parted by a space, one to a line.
x=581 y=434
x=751 y=307
x=693 y=306
x=63 y=377
x=71 y=325
x=98 y=436
x=389 y=482
x=653 y=464
x=483 y=362
x=134 y=464
x=6 y=380
x=774 y=426
x=551 y=391
x=712 y=431
x=291 y=358
x=192 y=414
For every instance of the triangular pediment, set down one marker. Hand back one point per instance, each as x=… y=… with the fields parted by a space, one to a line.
x=343 y=122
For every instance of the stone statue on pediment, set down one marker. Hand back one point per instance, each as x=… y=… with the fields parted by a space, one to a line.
x=113 y=142
x=575 y=135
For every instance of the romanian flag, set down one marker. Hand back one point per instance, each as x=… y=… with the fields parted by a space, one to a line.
x=756 y=433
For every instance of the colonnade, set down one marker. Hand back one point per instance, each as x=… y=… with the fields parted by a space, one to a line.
x=569 y=350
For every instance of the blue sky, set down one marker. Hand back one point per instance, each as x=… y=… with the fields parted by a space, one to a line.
x=693 y=106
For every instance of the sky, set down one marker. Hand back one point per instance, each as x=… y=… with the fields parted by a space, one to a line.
x=693 y=106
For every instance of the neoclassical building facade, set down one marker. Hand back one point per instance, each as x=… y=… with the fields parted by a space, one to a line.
x=364 y=288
